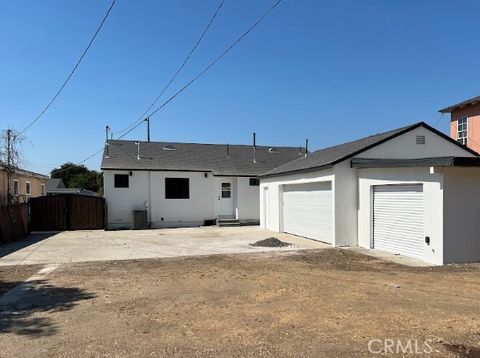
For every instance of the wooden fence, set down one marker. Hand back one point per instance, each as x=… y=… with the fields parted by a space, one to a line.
x=14 y=222
x=67 y=212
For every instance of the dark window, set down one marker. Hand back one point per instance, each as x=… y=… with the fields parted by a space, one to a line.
x=177 y=188
x=226 y=190
x=254 y=182
x=15 y=187
x=121 y=180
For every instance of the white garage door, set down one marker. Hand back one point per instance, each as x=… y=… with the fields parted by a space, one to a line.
x=307 y=210
x=398 y=219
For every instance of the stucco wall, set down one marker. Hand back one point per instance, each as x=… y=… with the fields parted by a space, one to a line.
x=183 y=212
x=433 y=201
x=201 y=206
x=121 y=201
x=35 y=181
x=274 y=186
x=473 y=114
x=162 y=212
x=405 y=146
x=346 y=202
x=462 y=215
x=248 y=200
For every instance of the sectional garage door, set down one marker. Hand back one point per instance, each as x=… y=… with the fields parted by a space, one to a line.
x=308 y=210
x=398 y=219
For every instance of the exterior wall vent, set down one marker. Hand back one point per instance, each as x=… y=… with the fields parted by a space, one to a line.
x=169 y=147
x=420 y=139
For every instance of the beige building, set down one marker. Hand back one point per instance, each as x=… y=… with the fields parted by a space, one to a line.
x=24 y=185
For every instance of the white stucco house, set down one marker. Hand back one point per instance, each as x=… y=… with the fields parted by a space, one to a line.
x=412 y=191
x=186 y=184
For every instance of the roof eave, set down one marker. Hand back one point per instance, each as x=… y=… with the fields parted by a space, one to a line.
x=470 y=102
x=366 y=163
x=298 y=171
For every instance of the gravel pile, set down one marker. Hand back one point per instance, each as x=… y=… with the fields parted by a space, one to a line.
x=271 y=242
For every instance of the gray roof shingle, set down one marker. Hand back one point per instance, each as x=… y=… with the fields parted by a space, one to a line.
x=122 y=155
x=332 y=155
x=55 y=183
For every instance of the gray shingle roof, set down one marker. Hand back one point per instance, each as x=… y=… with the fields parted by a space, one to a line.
x=332 y=155
x=55 y=183
x=196 y=157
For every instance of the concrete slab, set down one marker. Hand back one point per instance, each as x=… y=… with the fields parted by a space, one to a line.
x=99 y=245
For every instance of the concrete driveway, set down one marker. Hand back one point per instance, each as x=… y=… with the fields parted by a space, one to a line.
x=99 y=245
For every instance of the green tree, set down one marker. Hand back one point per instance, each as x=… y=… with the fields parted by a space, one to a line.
x=79 y=176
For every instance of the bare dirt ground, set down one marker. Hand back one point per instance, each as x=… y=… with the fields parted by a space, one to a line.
x=10 y=276
x=322 y=303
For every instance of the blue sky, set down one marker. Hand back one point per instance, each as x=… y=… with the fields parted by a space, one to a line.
x=331 y=71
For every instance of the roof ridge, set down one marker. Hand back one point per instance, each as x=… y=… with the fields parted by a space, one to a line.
x=383 y=136
x=212 y=144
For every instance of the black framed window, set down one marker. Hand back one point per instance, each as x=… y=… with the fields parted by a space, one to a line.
x=16 y=190
x=177 y=188
x=121 y=180
x=226 y=190
x=254 y=182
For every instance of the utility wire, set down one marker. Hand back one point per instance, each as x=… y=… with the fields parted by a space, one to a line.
x=212 y=19
x=439 y=119
x=73 y=70
x=201 y=73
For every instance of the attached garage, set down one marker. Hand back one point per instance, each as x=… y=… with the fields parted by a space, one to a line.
x=308 y=210
x=398 y=219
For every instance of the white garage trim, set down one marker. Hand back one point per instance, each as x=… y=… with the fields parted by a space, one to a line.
x=398 y=219
x=308 y=210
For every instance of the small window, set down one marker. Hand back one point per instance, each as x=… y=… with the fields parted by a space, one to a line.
x=121 y=180
x=177 y=188
x=226 y=190
x=254 y=182
x=462 y=130
x=420 y=139
x=15 y=187
x=43 y=189
x=28 y=188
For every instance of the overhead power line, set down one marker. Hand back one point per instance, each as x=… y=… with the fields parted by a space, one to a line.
x=439 y=119
x=177 y=72
x=45 y=109
x=206 y=69
x=201 y=73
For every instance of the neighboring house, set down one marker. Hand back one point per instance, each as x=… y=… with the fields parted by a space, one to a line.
x=56 y=186
x=24 y=184
x=465 y=122
x=412 y=191
x=186 y=184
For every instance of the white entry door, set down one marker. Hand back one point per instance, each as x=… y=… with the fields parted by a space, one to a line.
x=225 y=198
x=398 y=219
x=308 y=210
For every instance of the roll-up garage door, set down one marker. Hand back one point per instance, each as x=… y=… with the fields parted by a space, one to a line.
x=398 y=219
x=308 y=210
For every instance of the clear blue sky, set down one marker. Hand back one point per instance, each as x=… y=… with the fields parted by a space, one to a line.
x=331 y=71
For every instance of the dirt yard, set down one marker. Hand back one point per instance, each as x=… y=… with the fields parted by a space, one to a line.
x=322 y=303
